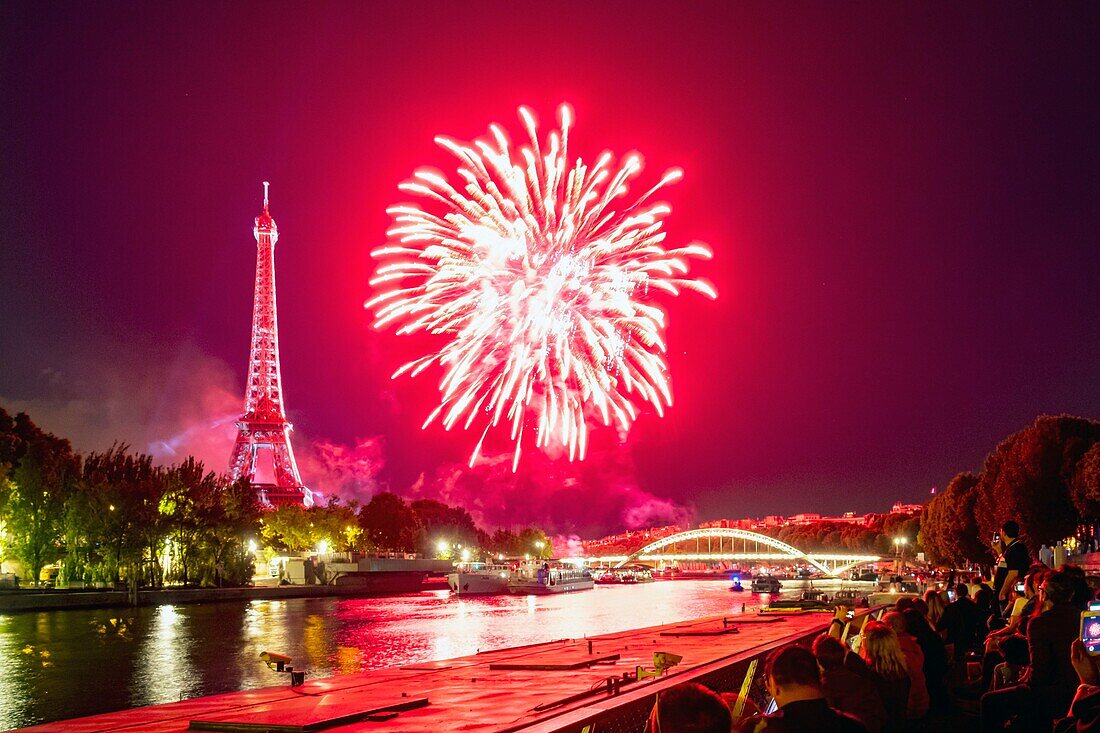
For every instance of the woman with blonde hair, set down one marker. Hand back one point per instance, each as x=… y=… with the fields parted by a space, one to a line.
x=882 y=652
x=914 y=663
x=934 y=599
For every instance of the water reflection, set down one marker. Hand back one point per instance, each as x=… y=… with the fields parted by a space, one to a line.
x=153 y=655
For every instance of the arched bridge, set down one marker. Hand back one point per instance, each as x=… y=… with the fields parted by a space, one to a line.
x=715 y=544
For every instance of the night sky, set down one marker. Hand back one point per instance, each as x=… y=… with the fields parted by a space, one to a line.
x=902 y=200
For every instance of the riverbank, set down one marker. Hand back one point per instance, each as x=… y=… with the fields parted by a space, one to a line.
x=12 y=601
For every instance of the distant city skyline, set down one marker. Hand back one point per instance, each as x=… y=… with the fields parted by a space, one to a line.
x=902 y=214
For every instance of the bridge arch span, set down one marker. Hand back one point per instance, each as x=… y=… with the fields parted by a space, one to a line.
x=727 y=532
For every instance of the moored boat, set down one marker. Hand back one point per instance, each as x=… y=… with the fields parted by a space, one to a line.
x=625 y=576
x=479 y=579
x=765 y=584
x=547 y=578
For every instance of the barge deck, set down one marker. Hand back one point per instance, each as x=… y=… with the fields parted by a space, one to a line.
x=564 y=685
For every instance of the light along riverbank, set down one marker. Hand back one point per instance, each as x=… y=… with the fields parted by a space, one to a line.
x=63 y=599
x=554 y=686
x=371 y=575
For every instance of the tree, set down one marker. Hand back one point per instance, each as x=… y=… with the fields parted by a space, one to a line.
x=444 y=523
x=1085 y=485
x=129 y=486
x=187 y=495
x=949 y=532
x=227 y=524
x=1026 y=478
x=390 y=524
x=42 y=480
x=289 y=527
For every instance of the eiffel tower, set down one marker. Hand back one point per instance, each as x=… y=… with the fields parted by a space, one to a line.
x=264 y=426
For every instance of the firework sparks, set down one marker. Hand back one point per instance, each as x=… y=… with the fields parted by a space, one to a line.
x=539 y=286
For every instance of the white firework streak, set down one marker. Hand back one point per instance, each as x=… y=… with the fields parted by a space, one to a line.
x=540 y=286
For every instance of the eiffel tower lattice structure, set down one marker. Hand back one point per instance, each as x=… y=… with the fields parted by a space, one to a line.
x=264 y=429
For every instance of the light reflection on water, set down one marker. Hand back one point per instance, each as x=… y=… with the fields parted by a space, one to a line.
x=63 y=664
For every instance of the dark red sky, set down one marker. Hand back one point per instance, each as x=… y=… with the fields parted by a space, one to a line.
x=902 y=200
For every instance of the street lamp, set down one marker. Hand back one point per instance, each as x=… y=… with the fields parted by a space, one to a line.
x=899 y=549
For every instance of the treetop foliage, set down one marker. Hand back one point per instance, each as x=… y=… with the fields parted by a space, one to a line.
x=1046 y=477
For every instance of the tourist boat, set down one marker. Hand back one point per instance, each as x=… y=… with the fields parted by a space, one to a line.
x=623 y=576
x=817 y=596
x=848 y=597
x=479 y=579
x=636 y=575
x=765 y=584
x=550 y=578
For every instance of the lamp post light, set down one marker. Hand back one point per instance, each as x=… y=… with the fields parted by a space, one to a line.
x=899 y=554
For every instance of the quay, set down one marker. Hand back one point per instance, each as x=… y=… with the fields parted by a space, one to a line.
x=568 y=685
x=356 y=577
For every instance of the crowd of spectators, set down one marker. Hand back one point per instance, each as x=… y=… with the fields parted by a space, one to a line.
x=1006 y=649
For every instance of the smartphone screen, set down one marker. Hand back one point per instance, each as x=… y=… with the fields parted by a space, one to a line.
x=951 y=595
x=1090 y=631
x=772 y=707
x=1019 y=587
x=850 y=615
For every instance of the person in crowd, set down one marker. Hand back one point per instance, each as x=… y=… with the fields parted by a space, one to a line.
x=1049 y=636
x=792 y=678
x=1023 y=610
x=919 y=702
x=1013 y=562
x=960 y=622
x=882 y=653
x=748 y=709
x=1013 y=650
x=974 y=585
x=935 y=601
x=689 y=708
x=1084 y=709
x=935 y=657
x=847 y=691
x=989 y=616
x=1082 y=594
x=1051 y=679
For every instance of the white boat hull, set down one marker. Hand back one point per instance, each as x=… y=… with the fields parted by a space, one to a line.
x=530 y=586
x=477 y=584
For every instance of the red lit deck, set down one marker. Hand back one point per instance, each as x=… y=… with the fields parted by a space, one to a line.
x=539 y=688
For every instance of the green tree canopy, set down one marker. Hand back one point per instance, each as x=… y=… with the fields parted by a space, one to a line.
x=36 y=475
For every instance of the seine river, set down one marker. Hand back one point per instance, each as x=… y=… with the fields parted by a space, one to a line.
x=64 y=664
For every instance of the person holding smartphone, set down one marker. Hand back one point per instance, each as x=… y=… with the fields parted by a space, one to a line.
x=1013 y=562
